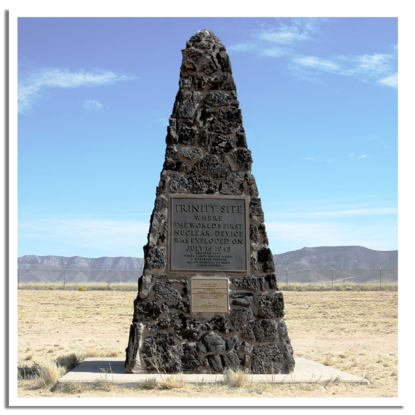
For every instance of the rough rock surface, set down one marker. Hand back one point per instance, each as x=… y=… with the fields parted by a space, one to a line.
x=207 y=154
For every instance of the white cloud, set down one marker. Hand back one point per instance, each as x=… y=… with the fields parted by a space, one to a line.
x=391 y=81
x=92 y=105
x=293 y=30
x=242 y=47
x=308 y=158
x=320 y=64
x=274 y=52
x=284 y=37
x=32 y=85
x=377 y=68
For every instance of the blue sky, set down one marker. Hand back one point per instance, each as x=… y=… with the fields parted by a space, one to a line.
x=319 y=104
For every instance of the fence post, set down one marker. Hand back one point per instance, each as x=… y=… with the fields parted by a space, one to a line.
x=18 y=278
x=64 y=279
x=332 y=279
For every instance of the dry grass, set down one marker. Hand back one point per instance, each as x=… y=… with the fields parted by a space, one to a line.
x=236 y=379
x=356 y=331
x=49 y=374
x=149 y=383
x=172 y=382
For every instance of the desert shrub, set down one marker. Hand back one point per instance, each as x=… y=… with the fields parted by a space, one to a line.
x=70 y=361
x=49 y=374
x=82 y=288
x=235 y=379
x=70 y=388
x=149 y=383
x=172 y=382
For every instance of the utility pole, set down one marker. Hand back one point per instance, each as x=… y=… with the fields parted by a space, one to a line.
x=18 y=278
x=64 y=279
x=109 y=278
x=286 y=277
x=332 y=279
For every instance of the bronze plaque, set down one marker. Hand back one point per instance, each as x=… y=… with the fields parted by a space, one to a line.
x=209 y=295
x=209 y=233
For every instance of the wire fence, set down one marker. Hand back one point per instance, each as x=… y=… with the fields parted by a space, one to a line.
x=113 y=278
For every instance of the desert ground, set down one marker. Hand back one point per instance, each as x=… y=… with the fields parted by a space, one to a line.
x=356 y=332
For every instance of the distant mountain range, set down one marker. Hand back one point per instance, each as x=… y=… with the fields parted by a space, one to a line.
x=337 y=257
x=354 y=263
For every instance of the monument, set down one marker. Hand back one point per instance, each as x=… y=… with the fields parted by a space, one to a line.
x=208 y=298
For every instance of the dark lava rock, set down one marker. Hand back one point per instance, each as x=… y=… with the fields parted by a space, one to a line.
x=136 y=331
x=156 y=225
x=270 y=306
x=242 y=298
x=163 y=290
x=178 y=182
x=211 y=342
x=272 y=281
x=241 y=138
x=240 y=160
x=231 y=361
x=186 y=132
x=224 y=82
x=286 y=345
x=244 y=347
x=196 y=61
x=239 y=316
x=145 y=284
x=265 y=260
x=173 y=161
x=231 y=342
x=215 y=362
x=185 y=327
x=234 y=185
x=224 y=120
x=267 y=358
x=146 y=310
x=160 y=203
x=219 y=99
x=191 y=153
x=222 y=144
x=188 y=103
x=190 y=359
x=200 y=184
x=183 y=306
x=257 y=214
x=155 y=258
x=161 y=354
x=261 y=330
x=220 y=324
x=210 y=164
x=246 y=282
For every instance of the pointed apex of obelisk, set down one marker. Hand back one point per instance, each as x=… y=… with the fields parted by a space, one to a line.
x=204 y=39
x=205 y=53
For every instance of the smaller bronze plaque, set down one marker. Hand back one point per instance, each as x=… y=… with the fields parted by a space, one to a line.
x=209 y=295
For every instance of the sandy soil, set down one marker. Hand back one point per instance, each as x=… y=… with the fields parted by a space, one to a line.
x=352 y=331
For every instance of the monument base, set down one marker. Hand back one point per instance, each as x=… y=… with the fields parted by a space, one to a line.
x=112 y=370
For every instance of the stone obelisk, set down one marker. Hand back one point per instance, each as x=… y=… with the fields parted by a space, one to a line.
x=208 y=298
